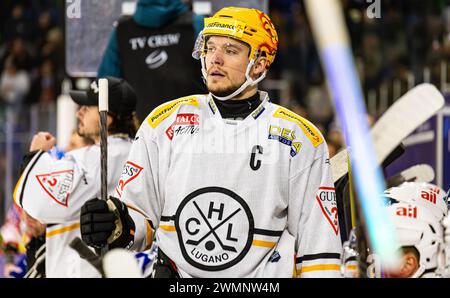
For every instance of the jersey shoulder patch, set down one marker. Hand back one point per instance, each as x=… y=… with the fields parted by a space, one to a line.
x=307 y=127
x=165 y=110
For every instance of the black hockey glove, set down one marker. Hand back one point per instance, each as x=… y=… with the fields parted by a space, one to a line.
x=107 y=222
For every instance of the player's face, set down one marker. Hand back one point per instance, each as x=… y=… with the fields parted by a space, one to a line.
x=88 y=121
x=226 y=63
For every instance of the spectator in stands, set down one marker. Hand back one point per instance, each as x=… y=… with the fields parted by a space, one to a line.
x=152 y=49
x=14 y=83
x=18 y=24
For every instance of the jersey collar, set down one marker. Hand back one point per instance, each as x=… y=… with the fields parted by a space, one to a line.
x=263 y=96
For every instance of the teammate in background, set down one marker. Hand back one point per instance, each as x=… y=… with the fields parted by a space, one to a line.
x=420 y=235
x=151 y=49
x=53 y=191
x=428 y=197
x=36 y=246
x=228 y=184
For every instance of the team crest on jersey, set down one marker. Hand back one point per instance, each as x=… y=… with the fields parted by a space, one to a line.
x=214 y=227
x=327 y=202
x=129 y=172
x=286 y=137
x=57 y=185
x=184 y=124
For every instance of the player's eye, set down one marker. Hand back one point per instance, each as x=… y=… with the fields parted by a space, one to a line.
x=210 y=49
x=231 y=51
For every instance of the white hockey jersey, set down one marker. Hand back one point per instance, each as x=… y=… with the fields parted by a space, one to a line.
x=53 y=191
x=250 y=198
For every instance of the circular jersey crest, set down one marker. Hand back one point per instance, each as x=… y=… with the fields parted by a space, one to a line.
x=214 y=227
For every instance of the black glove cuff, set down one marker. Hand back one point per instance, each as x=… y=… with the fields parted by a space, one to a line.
x=126 y=239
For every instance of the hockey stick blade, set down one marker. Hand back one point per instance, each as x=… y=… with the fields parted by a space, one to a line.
x=417 y=173
x=400 y=120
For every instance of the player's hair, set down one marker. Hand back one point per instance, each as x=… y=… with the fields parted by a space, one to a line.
x=124 y=125
x=413 y=250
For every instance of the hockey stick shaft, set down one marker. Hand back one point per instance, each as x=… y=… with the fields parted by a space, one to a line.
x=85 y=253
x=333 y=43
x=103 y=110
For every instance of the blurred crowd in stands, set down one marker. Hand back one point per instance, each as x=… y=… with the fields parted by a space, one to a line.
x=408 y=36
x=31 y=52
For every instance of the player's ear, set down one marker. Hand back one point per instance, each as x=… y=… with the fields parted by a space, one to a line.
x=109 y=120
x=259 y=67
x=410 y=265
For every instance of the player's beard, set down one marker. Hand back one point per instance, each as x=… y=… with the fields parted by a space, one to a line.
x=222 y=92
x=87 y=134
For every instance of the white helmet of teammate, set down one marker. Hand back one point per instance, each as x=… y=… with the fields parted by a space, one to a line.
x=421 y=193
x=417 y=227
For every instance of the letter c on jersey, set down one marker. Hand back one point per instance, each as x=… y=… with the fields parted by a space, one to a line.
x=255 y=164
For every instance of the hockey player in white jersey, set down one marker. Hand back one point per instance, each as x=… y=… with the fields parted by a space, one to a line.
x=53 y=191
x=228 y=184
x=420 y=236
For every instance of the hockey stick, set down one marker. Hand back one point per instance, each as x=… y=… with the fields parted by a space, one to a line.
x=85 y=253
x=331 y=36
x=400 y=120
x=417 y=173
x=103 y=110
x=103 y=98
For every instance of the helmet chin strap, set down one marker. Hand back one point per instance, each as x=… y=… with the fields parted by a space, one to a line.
x=248 y=82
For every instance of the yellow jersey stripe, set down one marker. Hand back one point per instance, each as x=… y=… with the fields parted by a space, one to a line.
x=264 y=243
x=16 y=188
x=62 y=230
x=168 y=228
x=320 y=267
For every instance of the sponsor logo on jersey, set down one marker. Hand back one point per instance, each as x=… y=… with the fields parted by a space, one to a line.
x=275 y=257
x=165 y=110
x=129 y=172
x=410 y=211
x=285 y=136
x=215 y=228
x=156 y=58
x=326 y=197
x=212 y=106
x=184 y=124
x=57 y=185
x=308 y=128
x=259 y=110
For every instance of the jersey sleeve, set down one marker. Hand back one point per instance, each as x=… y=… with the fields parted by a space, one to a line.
x=52 y=191
x=312 y=218
x=139 y=188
